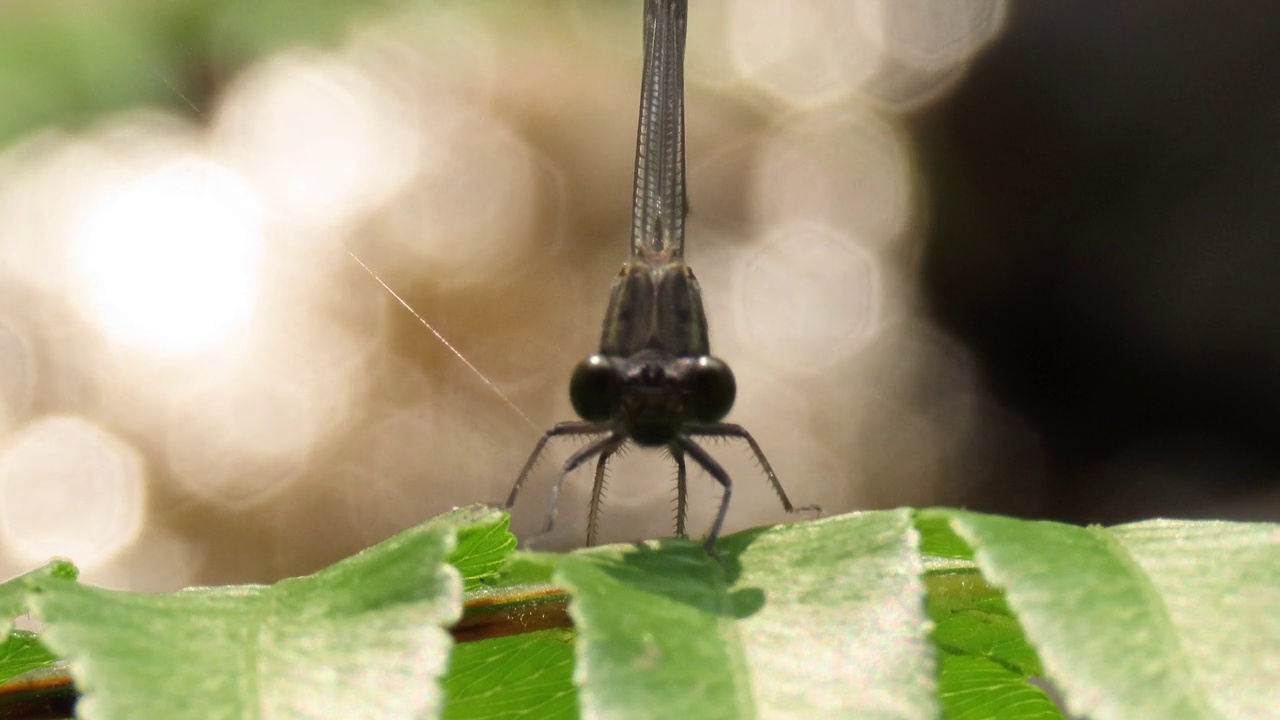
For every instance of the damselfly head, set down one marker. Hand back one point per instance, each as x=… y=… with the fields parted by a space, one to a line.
x=651 y=397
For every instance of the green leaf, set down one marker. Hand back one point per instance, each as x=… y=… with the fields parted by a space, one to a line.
x=823 y=619
x=482 y=548
x=23 y=652
x=496 y=674
x=15 y=591
x=984 y=657
x=362 y=638
x=529 y=675
x=1161 y=619
x=975 y=688
x=1158 y=619
x=938 y=540
x=971 y=618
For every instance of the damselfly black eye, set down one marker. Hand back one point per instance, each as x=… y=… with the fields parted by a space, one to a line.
x=594 y=389
x=711 y=389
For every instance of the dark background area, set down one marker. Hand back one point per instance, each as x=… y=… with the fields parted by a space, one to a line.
x=1104 y=194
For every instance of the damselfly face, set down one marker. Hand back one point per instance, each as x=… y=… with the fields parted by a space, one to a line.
x=651 y=397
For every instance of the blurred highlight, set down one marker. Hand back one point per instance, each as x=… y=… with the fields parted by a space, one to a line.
x=69 y=488
x=167 y=261
x=321 y=139
x=17 y=374
x=237 y=400
x=808 y=298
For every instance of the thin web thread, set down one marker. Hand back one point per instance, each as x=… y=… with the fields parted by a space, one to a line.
x=155 y=70
x=510 y=403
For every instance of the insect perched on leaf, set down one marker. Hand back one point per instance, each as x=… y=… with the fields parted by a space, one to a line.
x=654 y=381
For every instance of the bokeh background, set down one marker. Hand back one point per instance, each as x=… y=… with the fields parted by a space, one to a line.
x=1014 y=258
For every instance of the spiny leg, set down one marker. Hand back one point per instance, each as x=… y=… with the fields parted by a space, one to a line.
x=560 y=429
x=731 y=430
x=682 y=490
x=608 y=444
x=713 y=468
x=597 y=494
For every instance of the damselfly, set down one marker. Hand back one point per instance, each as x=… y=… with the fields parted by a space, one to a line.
x=654 y=380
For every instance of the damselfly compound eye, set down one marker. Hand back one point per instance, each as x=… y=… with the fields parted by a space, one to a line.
x=594 y=388
x=711 y=389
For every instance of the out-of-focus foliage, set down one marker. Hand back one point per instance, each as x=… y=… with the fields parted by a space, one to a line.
x=68 y=63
